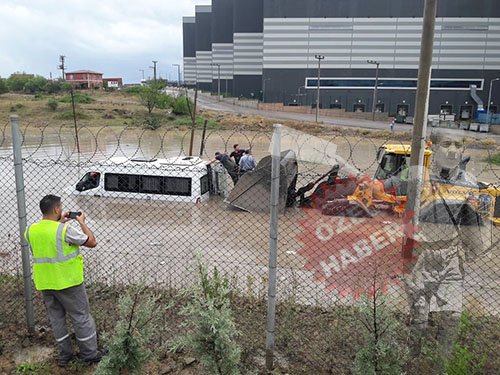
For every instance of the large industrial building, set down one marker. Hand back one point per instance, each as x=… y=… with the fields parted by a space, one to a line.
x=265 y=49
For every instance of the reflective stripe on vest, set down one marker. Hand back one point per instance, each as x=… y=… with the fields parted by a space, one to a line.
x=59 y=246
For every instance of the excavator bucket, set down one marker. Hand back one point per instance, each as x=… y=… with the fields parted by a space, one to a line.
x=252 y=192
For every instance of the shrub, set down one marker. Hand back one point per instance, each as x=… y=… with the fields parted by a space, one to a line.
x=382 y=352
x=493 y=159
x=133 y=90
x=52 y=104
x=152 y=122
x=165 y=101
x=181 y=106
x=465 y=358
x=129 y=345
x=16 y=82
x=79 y=99
x=56 y=86
x=68 y=115
x=35 y=85
x=211 y=325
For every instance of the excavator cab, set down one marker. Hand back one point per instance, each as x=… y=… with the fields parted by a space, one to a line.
x=386 y=190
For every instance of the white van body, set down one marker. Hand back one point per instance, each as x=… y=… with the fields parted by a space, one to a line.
x=180 y=179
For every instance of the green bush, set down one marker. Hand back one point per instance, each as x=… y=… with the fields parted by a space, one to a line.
x=165 y=101
x=465 y=358
x=79 y=99
x=16 y=82
x=52 y=104
x=210 y=323
x=382 y=351
x=133 y=90
x=129 y=345
x=181 y=106
x=493 y=159
x=56 y=86
x=35 y=85
x=68 y=115
x=152 y=122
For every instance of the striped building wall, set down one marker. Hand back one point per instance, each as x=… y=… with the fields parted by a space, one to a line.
x=222 y=54
x=248 y=53
x=347 y=43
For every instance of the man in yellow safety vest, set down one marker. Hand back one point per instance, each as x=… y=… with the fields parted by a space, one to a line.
x=58 y=274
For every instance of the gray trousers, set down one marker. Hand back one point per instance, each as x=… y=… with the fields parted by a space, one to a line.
x=73 y=302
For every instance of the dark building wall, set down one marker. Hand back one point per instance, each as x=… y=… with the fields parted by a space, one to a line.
x=222 y=21
x=377 y=8
x=286 y=86
x=248 y=19
x=204 y=47
x=222 y=44
x=189 y=49
x=248 y=16
x=189 y=38
x=352 y=45
x=203 y=29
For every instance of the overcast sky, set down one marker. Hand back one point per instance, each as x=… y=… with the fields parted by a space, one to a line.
x=115 y=37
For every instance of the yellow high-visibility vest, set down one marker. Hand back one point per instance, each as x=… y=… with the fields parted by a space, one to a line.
x=56 y=265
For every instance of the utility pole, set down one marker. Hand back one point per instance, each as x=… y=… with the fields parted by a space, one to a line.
x=178 y=74
x=61 y=66
x=319 y=58
x=374 y=106
x=154 y=69
x=142 y=70
x=420 y=124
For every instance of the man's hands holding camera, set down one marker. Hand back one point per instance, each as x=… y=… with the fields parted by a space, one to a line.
x=76 y=215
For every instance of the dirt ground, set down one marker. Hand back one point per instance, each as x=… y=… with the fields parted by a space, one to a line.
x=309 y=340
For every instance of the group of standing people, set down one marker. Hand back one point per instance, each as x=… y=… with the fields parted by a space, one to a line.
x=238 y=162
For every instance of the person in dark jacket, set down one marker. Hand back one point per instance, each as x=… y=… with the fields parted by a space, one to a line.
x=231 y=166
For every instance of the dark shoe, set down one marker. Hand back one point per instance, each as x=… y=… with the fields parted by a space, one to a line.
x=97 y=358
x=64 y=361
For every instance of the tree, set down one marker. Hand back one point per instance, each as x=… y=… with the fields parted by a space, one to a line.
x=3 y=86
x=150 y=95
x=35 y=85
x=17 y=81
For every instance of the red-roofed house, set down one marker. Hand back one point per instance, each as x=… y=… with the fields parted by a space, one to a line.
x=84 y=79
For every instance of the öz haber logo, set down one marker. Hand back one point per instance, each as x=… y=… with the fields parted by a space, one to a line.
x=351 y=255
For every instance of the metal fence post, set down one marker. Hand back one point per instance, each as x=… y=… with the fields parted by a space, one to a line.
x=273 y=245
x=21 y=210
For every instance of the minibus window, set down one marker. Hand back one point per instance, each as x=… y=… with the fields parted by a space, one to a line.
x=89 y=181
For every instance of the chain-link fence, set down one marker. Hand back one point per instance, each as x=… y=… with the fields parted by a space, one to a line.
x=345 y=243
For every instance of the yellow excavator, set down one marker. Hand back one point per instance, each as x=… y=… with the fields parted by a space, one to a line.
x=363 y=196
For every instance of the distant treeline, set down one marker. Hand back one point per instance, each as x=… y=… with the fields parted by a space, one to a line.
x=32 y=84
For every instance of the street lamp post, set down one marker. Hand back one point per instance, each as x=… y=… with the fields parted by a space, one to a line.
x=218 y=79
x=374 y=106
x=488 y=112
x=299 y=94
x=319 y=58
x=178 y=74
